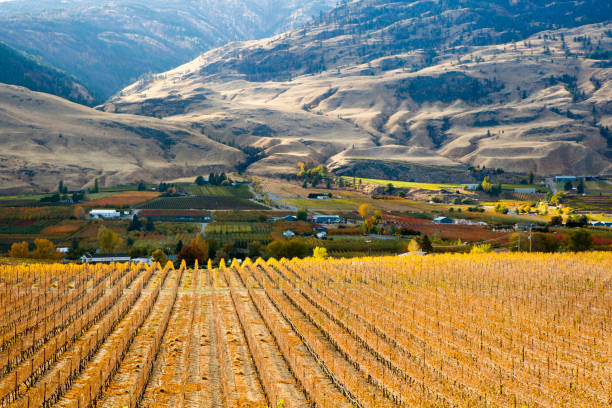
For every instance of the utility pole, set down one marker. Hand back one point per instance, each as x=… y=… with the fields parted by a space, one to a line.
x=530 y=226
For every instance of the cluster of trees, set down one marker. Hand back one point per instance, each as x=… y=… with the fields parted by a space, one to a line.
x=137 y=225
x=197 y=249
x=568 y=185
x=43 y=249
x=96 y=187
x=371 y=219
x=288 y=249
x=576 y=241
x=314 y=175
x=62 y=194
x=108 y=240
x=420 y=244
x=500 y=208
x=214 y=179
x=572 y=221
x=488 y=187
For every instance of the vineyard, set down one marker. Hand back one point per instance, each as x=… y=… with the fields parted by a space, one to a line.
x=507 y=330
x=201 y=203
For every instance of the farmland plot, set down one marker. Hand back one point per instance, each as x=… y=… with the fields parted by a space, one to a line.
x=437 y=331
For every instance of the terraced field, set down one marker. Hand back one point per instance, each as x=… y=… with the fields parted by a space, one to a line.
x=444 y=331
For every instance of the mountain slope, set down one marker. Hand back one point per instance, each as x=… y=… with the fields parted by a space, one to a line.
x=45 y=139
x=110 y=44
x=427 y=82
x=20 y=69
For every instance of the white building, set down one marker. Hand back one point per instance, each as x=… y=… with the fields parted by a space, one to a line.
x=104 y=214
x=288 y=234
x=326 y=219
x=146 y=261
x=525 y=190
x=105 y=258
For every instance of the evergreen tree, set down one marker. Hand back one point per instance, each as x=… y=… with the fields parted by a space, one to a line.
x=425 y=244
x=136 y=224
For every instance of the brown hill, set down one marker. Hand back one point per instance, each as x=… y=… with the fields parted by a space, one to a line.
x=540 y=104
x=45 y=139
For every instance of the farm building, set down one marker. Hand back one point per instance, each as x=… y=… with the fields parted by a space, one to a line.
x=105 y=258
x=525 y=190
x=601 y=223
x=326 y=219
x=524 y=226
x=472 y=187
x=104 y=214
x=146 y=261
x=443 y=220
x=561 y=179
x=289 y=234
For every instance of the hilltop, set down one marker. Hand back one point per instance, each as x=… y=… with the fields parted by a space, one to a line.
x=524 y=86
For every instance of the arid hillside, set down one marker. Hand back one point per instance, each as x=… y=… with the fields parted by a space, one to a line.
x=434 y=83
x=45 y=138
x=108 y=44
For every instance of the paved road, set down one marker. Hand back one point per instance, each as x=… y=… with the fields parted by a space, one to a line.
x=552 y=185
x=276 y=200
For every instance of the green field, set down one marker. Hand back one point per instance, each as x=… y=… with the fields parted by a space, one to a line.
x=329 y=204
x=408 y=184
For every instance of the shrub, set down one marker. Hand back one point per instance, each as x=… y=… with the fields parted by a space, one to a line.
x=288 y=249
x=19 y=250
x=481 y=249
x=320 y=253
x=579 y=240
x=556 y=220
x=196 y=250
x=159 y=256
x=500 y=208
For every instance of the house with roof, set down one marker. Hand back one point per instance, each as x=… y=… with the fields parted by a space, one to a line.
x=326 y=219
x=443 y=220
